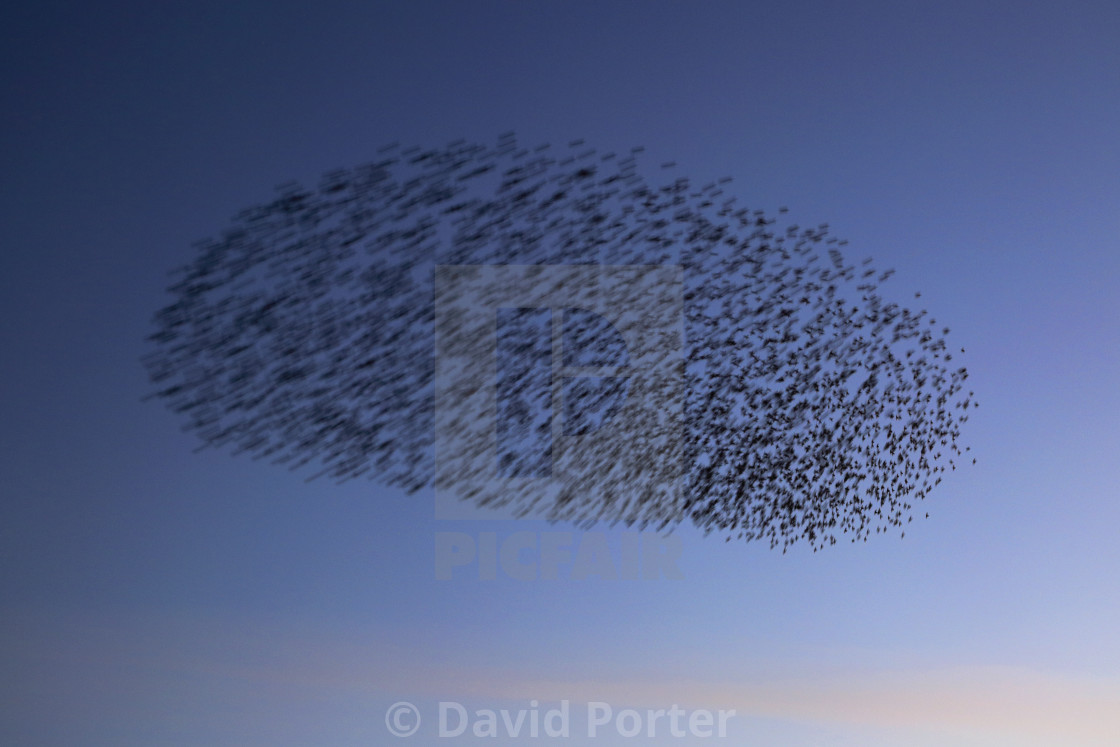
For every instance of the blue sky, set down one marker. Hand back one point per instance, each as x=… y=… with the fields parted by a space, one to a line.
x=150 y=594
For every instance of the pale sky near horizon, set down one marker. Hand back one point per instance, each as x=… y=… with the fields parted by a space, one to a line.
x=150 y=594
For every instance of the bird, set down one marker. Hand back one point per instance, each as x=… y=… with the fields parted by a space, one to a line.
x=811 y=406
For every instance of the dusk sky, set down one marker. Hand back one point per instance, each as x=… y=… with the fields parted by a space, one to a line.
x=152 y=593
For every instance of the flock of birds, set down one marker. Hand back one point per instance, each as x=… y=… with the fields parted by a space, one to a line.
x=811 y=407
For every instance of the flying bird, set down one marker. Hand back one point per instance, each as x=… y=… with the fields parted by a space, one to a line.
x=810 y=406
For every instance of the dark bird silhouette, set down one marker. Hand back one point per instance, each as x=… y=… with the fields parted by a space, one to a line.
x=811 y=407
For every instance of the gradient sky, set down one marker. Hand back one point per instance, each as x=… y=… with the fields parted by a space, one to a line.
x=152 y=595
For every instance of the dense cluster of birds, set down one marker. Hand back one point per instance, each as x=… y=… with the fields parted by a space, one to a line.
x=811 y=408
